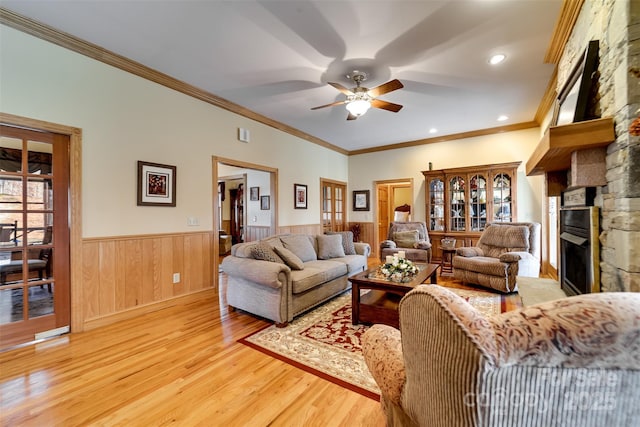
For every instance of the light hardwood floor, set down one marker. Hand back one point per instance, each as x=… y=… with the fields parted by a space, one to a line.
x=182 y=366
x=178 y=366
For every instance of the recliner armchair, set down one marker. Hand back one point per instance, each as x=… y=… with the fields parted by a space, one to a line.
x=505 y=250
x=410 y=237
x=569 y=362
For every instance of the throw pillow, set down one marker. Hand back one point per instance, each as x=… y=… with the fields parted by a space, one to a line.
x=406 y=239
x=300 y=245
x=291 y=259
x=263 y=251
x=330 y=246
x=347 y=241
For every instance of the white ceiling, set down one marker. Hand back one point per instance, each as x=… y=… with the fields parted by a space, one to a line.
x=276 y=57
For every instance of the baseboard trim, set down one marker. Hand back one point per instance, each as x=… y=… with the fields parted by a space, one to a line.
x=97 y=322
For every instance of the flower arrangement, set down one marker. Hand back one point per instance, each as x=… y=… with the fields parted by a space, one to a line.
x=398 y=269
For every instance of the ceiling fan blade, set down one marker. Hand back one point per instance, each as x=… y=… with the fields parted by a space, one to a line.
x=341 y=88
x=390 y=106
x=333 y=104
x=351 y=117
x=385 y=88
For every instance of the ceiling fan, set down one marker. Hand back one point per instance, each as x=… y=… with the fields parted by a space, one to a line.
x=360 y=99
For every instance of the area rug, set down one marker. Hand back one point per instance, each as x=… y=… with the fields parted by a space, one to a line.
x=325 y=343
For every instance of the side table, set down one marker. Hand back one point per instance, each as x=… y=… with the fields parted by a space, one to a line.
x=446 y=265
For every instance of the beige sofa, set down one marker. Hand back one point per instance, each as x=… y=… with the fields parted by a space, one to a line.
x=285 y=275
x=505 y=250
x=569 y=362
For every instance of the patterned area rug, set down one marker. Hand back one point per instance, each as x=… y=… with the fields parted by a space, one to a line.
x=326 y=343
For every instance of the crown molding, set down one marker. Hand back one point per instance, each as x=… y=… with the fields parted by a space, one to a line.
x=564 y=26
x=451 y=137
x=67 y=41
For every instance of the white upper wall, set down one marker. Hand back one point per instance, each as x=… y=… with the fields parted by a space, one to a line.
x=125 y=118
x=406 y=163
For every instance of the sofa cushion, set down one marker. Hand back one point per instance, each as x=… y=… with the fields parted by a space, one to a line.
x=354 y=263
x=263 y=251
x=316 y=273
x=347 y=241
x=300 y=244
x=406 y=239
x=289 y=258
x=330 y=246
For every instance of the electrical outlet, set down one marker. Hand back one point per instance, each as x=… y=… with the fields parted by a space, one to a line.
x=176 y=277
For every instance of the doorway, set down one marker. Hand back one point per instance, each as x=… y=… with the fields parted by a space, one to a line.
x=391 y=194
x=34 y=234
x=260 y=183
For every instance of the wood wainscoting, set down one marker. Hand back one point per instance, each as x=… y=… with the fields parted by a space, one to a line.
x=367 y=235
x=256 y=232
x=312 y=229
x=123 y=276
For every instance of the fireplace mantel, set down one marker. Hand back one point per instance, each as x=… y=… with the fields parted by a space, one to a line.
x=553 y=153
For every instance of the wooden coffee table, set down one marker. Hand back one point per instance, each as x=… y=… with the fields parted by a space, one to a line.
x=380 y=304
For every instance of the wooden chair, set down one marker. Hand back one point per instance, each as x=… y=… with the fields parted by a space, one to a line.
x=9 y=234
x=40 y=264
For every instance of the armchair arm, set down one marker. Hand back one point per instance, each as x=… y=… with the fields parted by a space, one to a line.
x=388 y=244
x=422 y=244
x=262 y=272
x=510 y=257
x=362 y=248
x=382 y=349
x=469 y=252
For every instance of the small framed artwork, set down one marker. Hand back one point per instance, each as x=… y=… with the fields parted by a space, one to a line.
x=299 y=196
x=265 y=203
x=254 y=193
x=361 y=200
x=573 y=101
x=156 y=184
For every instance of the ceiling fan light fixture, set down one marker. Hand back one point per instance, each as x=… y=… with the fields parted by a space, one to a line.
x=358 y=107
x=497 y=58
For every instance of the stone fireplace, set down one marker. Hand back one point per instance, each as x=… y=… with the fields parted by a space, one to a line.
x=616 y=24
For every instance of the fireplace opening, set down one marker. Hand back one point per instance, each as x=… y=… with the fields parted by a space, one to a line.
x=579 y=250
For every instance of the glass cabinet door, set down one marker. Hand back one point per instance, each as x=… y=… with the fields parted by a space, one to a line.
x=457 y=204
x=478 y=202
x=502 y=198
x=436 y=205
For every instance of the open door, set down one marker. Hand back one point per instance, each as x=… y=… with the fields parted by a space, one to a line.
x=34 y=224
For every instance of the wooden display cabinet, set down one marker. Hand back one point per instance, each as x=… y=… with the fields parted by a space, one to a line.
x=461 y=201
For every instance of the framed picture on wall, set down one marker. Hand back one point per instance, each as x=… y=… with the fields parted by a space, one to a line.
x=156 y=184
x=361 y=200
x=299 y=196
x=254 y=193
x=265 y=203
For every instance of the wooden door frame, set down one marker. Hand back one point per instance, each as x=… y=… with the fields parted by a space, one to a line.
x=273 y=182
x=374 y=202
x=75 y=208
x=344 y=200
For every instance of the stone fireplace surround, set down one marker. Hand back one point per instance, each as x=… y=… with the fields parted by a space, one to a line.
x=616 y=23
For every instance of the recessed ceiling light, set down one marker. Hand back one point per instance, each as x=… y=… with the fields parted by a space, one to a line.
x=433 y=130
x=498 y=58
x=502 y=118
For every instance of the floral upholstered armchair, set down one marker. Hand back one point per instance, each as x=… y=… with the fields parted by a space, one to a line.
x=410 y=237
x=570 y=362
x=505 y=250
